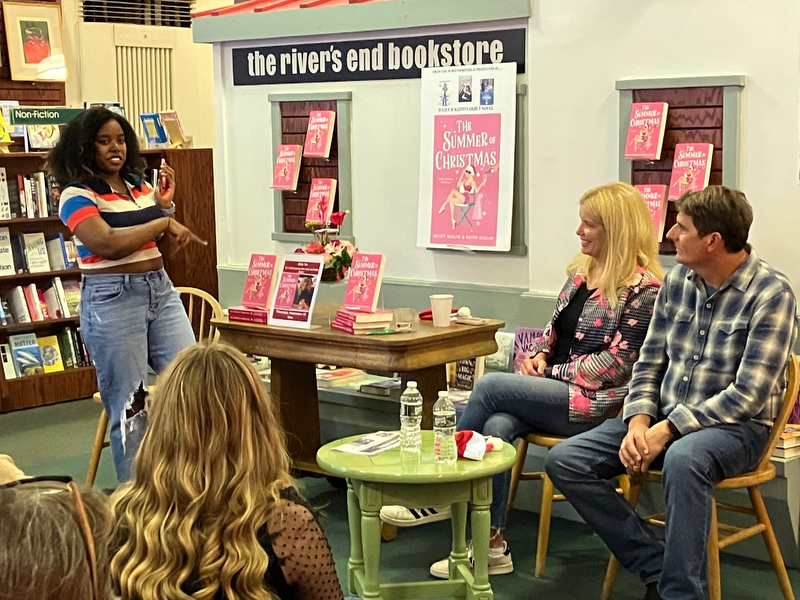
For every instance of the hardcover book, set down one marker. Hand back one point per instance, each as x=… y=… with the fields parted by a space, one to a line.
x=328 y=379
x=655 y=196
x=51 y=354
x=32 y=301
x=355 y=316
x=5 y=200
x=65 y=345
x=9 y=368
x=467 y=372
x=248 y=315
x=319 y=134
x=524 y=338
x=19 y=305
x=56 y=252
x=320 y=201
x=153 y=128
x=172 y=125
x=387 y=387
x=296 y=291
x=646 y=128
x=260 y=279
x=43 y=136
x=287 y=167
x=6 y=253
x=364 y=282
x=26 y=353
x=72 y=296
x=691 y=169
x=36 y=252
x=358 y=328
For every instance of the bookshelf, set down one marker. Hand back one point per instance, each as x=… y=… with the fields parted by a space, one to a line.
x=194 y=266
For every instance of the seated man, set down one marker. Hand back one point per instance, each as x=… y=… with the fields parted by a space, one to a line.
x=706 y=387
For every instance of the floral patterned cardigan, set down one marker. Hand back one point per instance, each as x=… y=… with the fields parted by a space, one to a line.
x=607 y=342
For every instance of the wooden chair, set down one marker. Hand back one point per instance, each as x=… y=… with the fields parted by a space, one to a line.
x=201 y=307
x=764 y=472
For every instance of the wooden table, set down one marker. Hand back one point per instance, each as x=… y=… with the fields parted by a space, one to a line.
x=392 y=477
x=419 y=356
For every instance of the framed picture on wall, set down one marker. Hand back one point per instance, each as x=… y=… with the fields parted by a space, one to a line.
x=35 y=41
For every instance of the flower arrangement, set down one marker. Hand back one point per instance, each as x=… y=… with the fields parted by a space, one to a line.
x=338 y=253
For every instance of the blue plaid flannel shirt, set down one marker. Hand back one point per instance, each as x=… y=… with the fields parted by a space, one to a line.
x=709 y=360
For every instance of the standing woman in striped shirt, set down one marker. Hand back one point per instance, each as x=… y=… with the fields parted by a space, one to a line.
x=131 y=315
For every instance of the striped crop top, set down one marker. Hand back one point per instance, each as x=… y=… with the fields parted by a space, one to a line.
x=81 y=201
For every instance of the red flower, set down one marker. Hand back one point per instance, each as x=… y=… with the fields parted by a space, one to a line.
x=337 y=218
x=314 y=248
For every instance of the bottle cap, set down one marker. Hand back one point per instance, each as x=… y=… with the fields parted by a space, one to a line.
x=443 y=394
x=412 y=384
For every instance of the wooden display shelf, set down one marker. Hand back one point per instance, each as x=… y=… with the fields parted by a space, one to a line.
x=17 y=277
x=48 y=388
x=36 y=325
x=26 y=220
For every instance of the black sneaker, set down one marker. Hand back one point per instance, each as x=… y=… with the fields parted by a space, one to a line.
x=652 y=592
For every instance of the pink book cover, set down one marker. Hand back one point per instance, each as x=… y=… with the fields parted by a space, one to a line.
x=260 y=277
x=466 y=158
x=296 y=292
x=247 y=315
x=320 y=200
x=655 y=196
x=364 y=282
x=319 y=134
x=691 y=169
x=287 y=167
x=646 y=130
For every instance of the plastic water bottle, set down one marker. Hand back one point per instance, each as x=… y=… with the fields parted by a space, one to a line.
x=410 y=419
x=444 y=431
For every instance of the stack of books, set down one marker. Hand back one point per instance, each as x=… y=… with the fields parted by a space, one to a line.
x=361 y=323
x=789 y=443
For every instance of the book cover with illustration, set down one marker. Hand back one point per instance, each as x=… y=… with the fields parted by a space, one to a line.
x=319 y=134
x=26 y=354
x=260 y=278
x=36 y=252
x=153 y=128
x=655 y=196
x=287 y=167
x=172 y=125
x=43 y=136
x=51 y=354
x=524 y=337
x=691 y=169
x=364 y=282
x=296 y=292
x=646 y=127
x=320 y=201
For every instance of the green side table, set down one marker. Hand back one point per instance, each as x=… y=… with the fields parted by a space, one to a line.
x=394 y=478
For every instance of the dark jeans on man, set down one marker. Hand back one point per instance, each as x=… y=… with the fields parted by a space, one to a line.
x=582 y=466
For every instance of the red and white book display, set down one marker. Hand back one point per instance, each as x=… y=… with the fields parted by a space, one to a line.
x=319 y=134
x=691 y=169
x=320 y=201
x=257 y=289
x=287 y=167
x=646 y=130
x=296 y=292
x=360 y=322
x=655 y=196
x=364 y=282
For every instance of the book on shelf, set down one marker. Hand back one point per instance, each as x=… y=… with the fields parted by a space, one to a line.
x=6 y=317
x=358 y=328
x=385 y=387
x=19 y=305
x=357 y=316
x=691 y=169
x=13 y=199
x=296 y=290
x=6 y=106
x=260 y=280
x=319 y=133
x=9 y=367
x=646 y=127
x=371 y=444
x=42 y=304
x=172 y=125
x=18 y=253
x=35 y=252
x=85 y=360
x=655 y=196
x=245 y=314
x=72 y=297
x=5 y=131
x=466 y=372
x=56 y=252
x=43 y=137
x=72 y=252
x=364 y=282
x=792 y=430
x=32 y=302
x=786 y=452
x=327 y=379
x=52 y=302
x=58 y=286
x=524 y=338
x=51 y=353
x=788 y=442
x=153 y=129
x=320 y=200
x=7 y=266
x=65 y=346
x=287 y=167
x=5 y=201
x=26 y=354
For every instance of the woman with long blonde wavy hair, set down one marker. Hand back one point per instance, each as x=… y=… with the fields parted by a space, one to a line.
x=211 y=512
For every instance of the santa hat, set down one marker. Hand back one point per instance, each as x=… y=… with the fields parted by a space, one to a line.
x=473 y=445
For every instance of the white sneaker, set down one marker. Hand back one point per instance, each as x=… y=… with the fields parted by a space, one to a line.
x=500 y=564
x=400 y=516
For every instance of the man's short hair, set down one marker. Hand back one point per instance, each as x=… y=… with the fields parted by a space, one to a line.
x=719 y=209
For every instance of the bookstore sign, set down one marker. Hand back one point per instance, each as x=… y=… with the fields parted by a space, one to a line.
x=387 y=58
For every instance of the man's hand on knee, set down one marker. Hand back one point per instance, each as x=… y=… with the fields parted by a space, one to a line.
x=634 y=449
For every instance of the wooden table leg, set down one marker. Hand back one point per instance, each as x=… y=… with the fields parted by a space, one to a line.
x=430 y=382
x=294 y=390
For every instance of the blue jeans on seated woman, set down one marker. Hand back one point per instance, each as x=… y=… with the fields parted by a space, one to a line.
x=130 y=321
x=507 y=405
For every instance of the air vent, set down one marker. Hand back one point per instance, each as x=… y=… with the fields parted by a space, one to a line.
x=159 y=13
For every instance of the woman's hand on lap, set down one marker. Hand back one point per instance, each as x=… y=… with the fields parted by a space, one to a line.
x=534 y=366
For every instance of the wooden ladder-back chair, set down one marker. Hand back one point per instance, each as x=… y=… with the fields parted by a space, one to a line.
x=201 y=307
x=722 y=535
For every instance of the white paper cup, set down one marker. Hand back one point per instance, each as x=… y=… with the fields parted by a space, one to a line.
x=441 y=305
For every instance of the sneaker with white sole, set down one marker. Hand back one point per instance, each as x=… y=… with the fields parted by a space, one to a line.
x=400 y=516
x=499 y=564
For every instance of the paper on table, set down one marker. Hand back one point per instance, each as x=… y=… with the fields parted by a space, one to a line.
x=372 y=443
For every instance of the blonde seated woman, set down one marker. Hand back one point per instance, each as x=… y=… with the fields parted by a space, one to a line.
x=211 y=511
x=582 y=365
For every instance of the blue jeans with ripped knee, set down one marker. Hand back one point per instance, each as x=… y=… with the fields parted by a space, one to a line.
x=507 y=405
x=130 y=321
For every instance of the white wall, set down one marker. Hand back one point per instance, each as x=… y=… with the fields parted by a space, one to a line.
x=577 y=51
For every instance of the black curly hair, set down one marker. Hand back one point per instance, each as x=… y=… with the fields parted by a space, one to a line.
x=73 y=159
